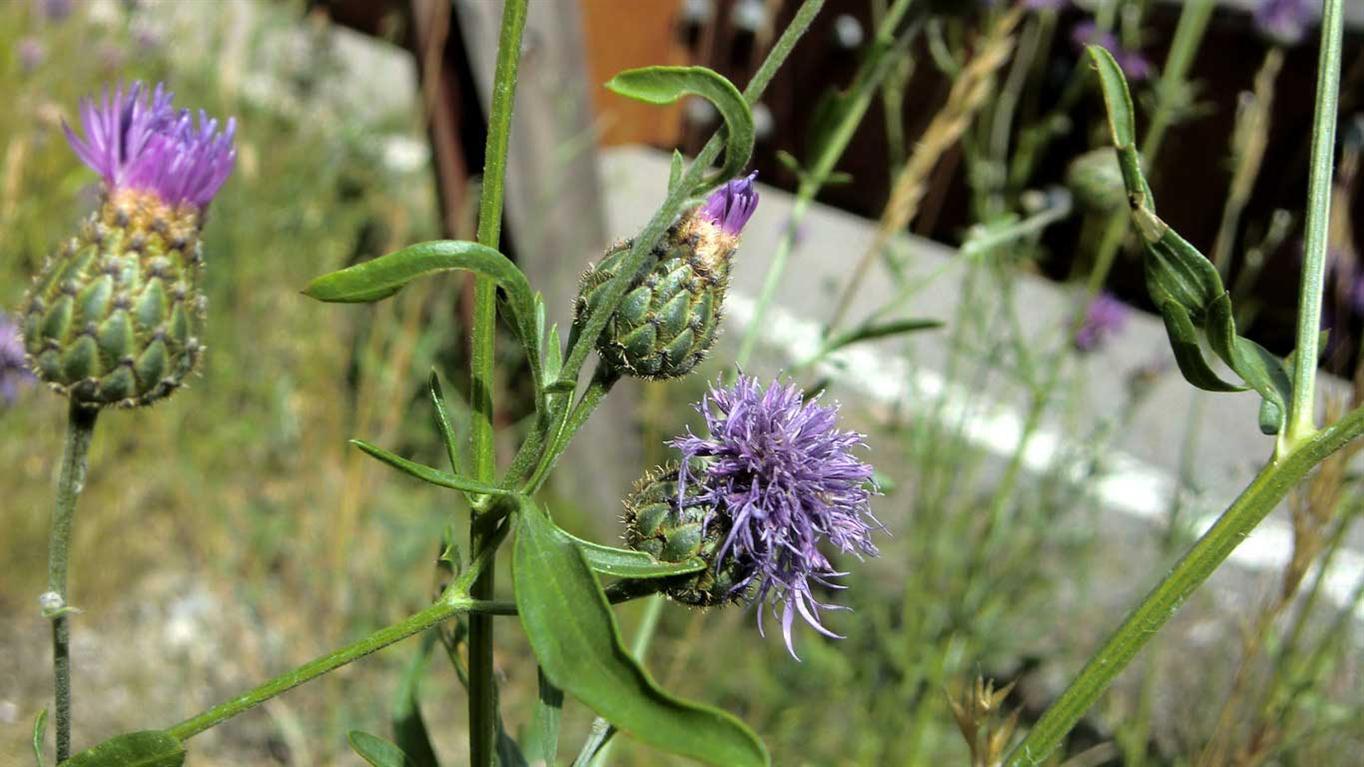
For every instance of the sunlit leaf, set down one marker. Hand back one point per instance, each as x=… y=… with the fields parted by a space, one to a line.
x=575 y=638
x=426 y=473
x=148 y=748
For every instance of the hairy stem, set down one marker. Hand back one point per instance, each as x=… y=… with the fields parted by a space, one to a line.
x=79 y=431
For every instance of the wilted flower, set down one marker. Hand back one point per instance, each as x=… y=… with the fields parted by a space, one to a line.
x=14 y=372
x=1136 y=66
x=782 y=480
x=1284 y=22
x=671 y=314
x=117 y=316
x=1104 y=316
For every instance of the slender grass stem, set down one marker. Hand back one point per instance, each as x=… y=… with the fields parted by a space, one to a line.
x=79 y=431
x=1302 y=409
x=1205 y=556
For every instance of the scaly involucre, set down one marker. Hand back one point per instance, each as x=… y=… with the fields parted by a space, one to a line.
x=787 y=481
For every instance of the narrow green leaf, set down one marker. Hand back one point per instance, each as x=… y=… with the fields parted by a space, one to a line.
x=880 y=330
x=554 y=354
x=409 y=728
x=664 y=85
x=1122 y=122
x=426 y=473
x=39 y=733
x=675 y=171
x=378 y=752
x=381 y=277
x=542 y=738
x=575 y=638
x=147 y=748
x=1184 y=342
x=1175 y=270
x=626 y=563
x=447 y=430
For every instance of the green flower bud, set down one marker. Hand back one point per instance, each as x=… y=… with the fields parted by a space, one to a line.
x=670 y=315
x=1095 y=178
x=656 y=525
x=116 y=317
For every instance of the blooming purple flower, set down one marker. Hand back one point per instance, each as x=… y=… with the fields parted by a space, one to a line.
x=14 y=372
x=1104 y=316
x=1136 y=66
x=731 y=205
x=786 y=480
x=137 y=141
x=1284 y=22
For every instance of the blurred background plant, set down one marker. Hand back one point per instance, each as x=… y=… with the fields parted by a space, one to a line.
x=235 y=522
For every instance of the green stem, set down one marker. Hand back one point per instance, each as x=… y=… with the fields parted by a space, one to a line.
x=1301 y=410
x=482 y=685
x=1244 y=514
x=869 y=77
x=79 y=431
x=446 y=608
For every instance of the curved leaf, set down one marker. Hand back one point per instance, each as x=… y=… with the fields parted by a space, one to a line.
x=628 y=563
x=575 y=638
x=1188 y=355
x=378 y=752
x=664 y=85
x=426 y=473
x=39 y=732
x=147 y=748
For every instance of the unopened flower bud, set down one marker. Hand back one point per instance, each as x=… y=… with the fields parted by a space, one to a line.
x=116 y=317
x=1095 y=178
x=670 y=315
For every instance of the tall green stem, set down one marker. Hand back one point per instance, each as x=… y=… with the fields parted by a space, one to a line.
x=1244 y=514
x=1301 y=411
x=482 y=690
x=79 y=430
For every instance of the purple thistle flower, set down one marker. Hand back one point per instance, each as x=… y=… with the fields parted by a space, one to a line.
x=55 y=10
x=14 y=372
x=1284 y=22
x=730 y=206
x=786 y=479
x=32 y=53
x=1104 y=316
x=138 y=141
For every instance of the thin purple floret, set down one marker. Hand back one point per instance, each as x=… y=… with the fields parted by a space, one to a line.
x=14 y=372
x=138 y=141
x=787 y=481
x=732 y=204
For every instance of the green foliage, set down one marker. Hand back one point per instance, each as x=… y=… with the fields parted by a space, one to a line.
x=664 y=85
x=148 y=748
x=378 y=752
x=574 y=635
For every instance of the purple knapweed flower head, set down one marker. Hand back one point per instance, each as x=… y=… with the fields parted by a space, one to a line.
x=1134 y=65
x=138 y=142
x=787 y=481
x=1284 y=22
x=730 y=206
x=14 y=372
x=1104 y=316
x=32 y=53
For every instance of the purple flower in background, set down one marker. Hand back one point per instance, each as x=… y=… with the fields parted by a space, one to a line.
x=54 y=10
x=1045 y=5
x=786 y=478
x=137 y=141
x=32 y=53
x=14 y=372
x=1284 y=22
x=1104 y=316
x=730 y=206
x=1136 y=66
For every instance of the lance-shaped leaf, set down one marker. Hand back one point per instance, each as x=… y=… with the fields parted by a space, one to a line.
x=664 y=85
x=1175 y=270
x=148 y=748
x=443 y=423
x=1188 y=355
x=39 y=732
x=426 y=473
x=378 y=752
x=628 y=563
x=409 y=728
x=1257 y=366
x=384 y=276
x=575 y=638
